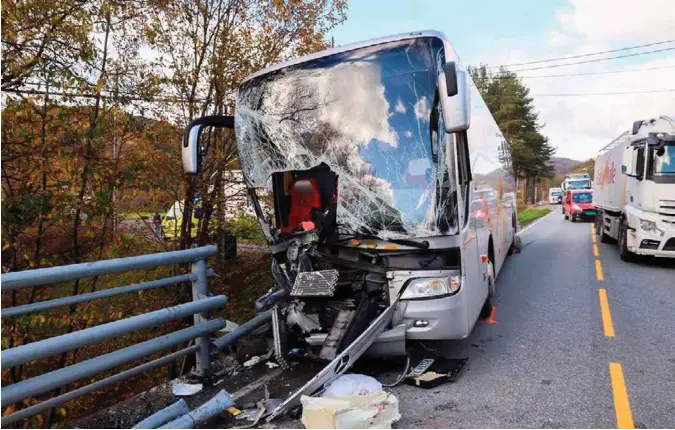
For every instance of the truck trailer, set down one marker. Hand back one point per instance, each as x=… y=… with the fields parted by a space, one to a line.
x=636 y=204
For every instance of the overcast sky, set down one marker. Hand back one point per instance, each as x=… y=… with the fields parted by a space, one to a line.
x=516 y=31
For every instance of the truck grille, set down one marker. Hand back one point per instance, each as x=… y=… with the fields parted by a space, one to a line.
x=667 y=211
x=315 y=284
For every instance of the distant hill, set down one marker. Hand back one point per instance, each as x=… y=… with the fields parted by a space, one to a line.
x=564 y=165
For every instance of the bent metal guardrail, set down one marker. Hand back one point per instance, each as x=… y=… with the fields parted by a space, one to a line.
x=201 y=303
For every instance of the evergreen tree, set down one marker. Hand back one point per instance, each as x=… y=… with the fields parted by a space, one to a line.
x=510 y=104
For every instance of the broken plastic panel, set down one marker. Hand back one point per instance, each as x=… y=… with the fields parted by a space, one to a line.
x=371 y=116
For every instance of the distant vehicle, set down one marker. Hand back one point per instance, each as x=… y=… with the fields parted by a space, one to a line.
x=576 y=181
x=555 y=196
x=636 y=204
x=172 y=221
x=578 y=205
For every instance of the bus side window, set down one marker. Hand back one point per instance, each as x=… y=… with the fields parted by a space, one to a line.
x=462 y=148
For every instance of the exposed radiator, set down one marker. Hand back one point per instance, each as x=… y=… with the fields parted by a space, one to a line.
x=315 y=284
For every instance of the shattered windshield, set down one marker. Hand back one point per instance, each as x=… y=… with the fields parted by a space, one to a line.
x=579 y=184
x=369 y=115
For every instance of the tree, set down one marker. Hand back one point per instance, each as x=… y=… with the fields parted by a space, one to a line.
x=208 y=47
x=509 y=102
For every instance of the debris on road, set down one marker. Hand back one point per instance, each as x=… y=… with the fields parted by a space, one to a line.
x=353 y=385
x=253 y=361
x=183 y=389
x=379 y=410
x=430 y=373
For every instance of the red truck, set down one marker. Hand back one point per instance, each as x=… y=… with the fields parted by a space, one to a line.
x=578 y=205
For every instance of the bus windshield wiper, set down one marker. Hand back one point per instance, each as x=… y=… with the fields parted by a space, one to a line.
x=406 y=242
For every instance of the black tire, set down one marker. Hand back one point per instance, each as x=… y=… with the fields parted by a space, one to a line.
x=486 y=310
x=624 y=253
x=600 y=228
x=514 y=227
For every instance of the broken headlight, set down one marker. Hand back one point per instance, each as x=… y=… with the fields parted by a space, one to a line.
x=430 y=287
x=650 y=227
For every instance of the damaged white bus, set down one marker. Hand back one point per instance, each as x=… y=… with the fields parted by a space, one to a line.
x=392 y=191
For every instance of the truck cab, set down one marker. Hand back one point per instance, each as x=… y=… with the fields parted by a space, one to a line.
x=578 y=205
x=555 y=196
x=636 y=204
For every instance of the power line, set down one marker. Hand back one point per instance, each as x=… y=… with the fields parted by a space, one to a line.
x=607 y=72
x=604 y=94
x=595 y=60
x=584 y=55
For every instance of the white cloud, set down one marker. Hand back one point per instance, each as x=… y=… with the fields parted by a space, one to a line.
x=580 y=126
x=400 y=107
x=422 y=109
x=613 y=20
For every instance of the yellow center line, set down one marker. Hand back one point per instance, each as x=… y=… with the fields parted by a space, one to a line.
x=593 y=238
x=607 y=325
x=624 y=416
x=598 y=270
x=596 y=251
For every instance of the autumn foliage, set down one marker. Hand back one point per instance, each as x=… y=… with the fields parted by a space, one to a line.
x=96 y=94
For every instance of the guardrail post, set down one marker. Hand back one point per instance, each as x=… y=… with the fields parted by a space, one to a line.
x=200 y=291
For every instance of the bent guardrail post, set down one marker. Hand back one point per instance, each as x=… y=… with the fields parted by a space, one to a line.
x=164 y=416
x=208 y=410
x=243 y=329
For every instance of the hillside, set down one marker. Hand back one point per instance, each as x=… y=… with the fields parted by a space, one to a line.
x=564 y=165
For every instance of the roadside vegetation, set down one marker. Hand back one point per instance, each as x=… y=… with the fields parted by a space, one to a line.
x=529 y=215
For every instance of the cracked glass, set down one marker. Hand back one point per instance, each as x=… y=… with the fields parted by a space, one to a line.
x=371 y=115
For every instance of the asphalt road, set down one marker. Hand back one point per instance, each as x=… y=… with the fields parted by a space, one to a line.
x=558 y=355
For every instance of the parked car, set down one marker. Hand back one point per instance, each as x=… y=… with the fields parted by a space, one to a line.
x=555 y=196
x=578 y=205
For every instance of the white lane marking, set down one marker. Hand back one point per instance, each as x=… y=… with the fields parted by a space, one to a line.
x=535 y=223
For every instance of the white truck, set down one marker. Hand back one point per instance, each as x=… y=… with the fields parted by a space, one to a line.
x=636 y=204
x=576 y=181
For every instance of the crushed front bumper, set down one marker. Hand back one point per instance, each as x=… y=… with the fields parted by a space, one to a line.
x=643 y=243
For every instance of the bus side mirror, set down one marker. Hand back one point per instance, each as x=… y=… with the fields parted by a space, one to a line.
x=454 y=86
x=450 y=71
x=624 y=169
x=192 y=147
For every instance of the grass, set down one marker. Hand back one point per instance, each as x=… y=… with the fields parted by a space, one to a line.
x=141 y=215
x=529 y=215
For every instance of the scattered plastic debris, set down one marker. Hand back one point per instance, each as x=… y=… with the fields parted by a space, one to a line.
x=271 y=364
x=233 y=411
x=379 y=410
x=353 y=385
x=253 y=361
x=183 y=389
